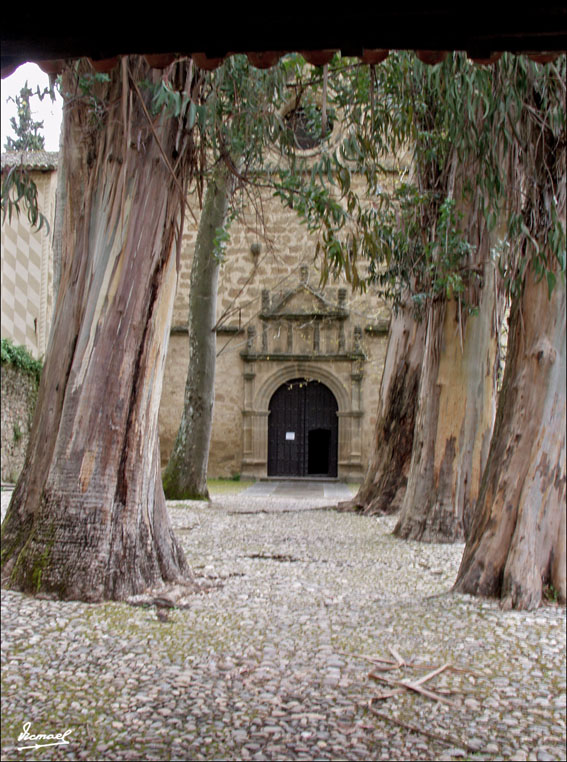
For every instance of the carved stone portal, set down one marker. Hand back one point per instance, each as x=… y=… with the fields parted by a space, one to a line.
x=304 y=336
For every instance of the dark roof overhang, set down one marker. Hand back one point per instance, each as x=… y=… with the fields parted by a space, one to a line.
x=478 y=28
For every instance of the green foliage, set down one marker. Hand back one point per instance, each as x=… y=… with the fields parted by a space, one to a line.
x=174 y=103
x=232 y=109
x=247 y=118
x=404 y=253
x=242 y=117
x=221 y=241
x=26 y=129
x=19 y=357
x=90 y=87
x=504 y=126
x=19 y=189
x=17 y=433
x=550 y=594
x=402 y=231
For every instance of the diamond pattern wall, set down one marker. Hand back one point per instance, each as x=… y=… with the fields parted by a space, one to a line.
x=27 y=272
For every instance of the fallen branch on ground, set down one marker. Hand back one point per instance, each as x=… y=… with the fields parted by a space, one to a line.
x=391 y=664
x=421 y=731
x=414 y=685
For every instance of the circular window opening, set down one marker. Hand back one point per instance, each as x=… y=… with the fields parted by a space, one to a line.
x=305 y=124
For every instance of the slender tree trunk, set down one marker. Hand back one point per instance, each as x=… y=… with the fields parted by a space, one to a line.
x=517 y=542
x=384 y=486
x=88 y=519
x=185 y=476
x=456 y=410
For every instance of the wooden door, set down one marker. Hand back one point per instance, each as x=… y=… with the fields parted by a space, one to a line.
x=302 y=430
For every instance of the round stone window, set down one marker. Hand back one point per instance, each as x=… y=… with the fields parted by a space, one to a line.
x=305 y=125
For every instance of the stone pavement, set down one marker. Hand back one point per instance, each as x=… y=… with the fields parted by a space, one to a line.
x=300 y=488
x=269 y=661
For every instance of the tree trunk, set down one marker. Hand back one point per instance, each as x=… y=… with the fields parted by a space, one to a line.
x=516 y=546
x=384 y=486
x=456 y=410
x=88 y=519
x=185 y=476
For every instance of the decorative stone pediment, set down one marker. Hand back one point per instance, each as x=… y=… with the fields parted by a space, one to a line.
x=302 y=303
x=302 y=325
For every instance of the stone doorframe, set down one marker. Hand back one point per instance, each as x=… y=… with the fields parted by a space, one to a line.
x=256 y=411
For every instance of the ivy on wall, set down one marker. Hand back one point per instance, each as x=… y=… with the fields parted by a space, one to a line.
x=20 y=382
x=19 y=357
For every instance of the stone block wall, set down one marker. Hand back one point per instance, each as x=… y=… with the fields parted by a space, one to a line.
x=271 y=254
x=270 y=250
x=19 y=394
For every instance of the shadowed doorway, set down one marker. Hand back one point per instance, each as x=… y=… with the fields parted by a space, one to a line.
x=302 y=430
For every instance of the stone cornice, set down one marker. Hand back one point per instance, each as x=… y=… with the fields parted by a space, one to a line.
x=331 y=315
x=283 y=357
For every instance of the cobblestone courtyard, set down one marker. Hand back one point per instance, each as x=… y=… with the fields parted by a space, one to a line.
x=267 y=663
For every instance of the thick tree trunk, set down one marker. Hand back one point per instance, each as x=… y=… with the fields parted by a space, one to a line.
x=384 y=486
x=185 y=476
x=456 y=410
x=516 y=546
x=88 y=519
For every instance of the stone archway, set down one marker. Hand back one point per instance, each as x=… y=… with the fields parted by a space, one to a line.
x=256 y=413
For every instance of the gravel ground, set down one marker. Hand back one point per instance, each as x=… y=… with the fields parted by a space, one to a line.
x=267 y=662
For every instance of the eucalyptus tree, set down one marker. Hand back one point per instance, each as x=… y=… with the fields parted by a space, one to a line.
x=248 y=148
x=228 y=140
x=87 y=519
x=488 y=148
x=516 y=547
x=457 y=154
x=429 y=251
x=25 y=127
x=185 y=476
x=515 y=523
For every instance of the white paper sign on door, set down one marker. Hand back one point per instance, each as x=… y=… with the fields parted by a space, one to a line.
x=290 y=435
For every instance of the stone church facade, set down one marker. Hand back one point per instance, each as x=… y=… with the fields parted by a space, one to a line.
x=298 y=366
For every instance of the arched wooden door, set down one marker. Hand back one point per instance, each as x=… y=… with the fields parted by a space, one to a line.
x=302 y=430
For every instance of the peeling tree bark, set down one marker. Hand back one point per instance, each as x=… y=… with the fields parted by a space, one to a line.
x=88 y=519
x=185 y=476
x=456 y=405
x=516 y=546
x=517 y=542
x=384 y=486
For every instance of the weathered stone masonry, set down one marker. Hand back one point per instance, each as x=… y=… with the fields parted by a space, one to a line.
x=275 y=324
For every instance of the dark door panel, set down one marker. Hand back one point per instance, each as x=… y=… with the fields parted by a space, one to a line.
x=302 y=430
x=318 y=447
